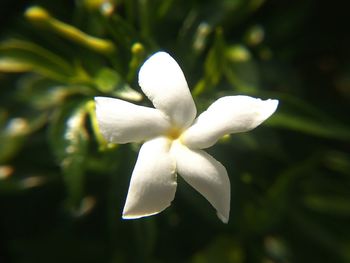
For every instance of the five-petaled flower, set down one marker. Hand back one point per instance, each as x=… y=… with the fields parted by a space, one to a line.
x=174 y=139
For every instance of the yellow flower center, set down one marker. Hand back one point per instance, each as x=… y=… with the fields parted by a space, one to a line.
x=174 y=133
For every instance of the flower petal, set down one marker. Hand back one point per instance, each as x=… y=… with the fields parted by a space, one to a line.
x=164 y=83
x=231 y=114
x=153 y=181
x=122 y=122
x=206 y=175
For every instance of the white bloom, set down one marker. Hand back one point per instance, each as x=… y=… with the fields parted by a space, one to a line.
x=174 y=139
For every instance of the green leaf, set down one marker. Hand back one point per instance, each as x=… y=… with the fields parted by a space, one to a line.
x=215 y=61
x=214 y=65
x=16 y=131
x=21 y=56
x=69 y=141
x=222 y=249
x=109 y=81
x=338 y=161
x=42 y=93
x=12 y=137
x=145 y=234
x=333 y=205
x=309 y=228
x=241 y=70
x=310 y=126
x=122 y=32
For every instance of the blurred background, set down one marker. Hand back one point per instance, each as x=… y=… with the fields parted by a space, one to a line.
x=62 y=187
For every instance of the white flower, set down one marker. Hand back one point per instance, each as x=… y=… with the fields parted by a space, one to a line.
x=174 y=139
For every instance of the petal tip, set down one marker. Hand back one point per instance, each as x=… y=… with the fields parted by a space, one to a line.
x=223 y=218
x=274 y=104
x=159 y=54
x=164 y=83
x=128 y=216
x=149 y=69
x=270 y=107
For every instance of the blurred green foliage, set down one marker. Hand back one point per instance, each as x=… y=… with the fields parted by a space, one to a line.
x=62 y=187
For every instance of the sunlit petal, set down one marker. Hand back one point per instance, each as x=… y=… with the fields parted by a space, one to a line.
x=153 y=181
x=206 y=175
x=122 y=122
x=231 y=114
x=164 y=83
